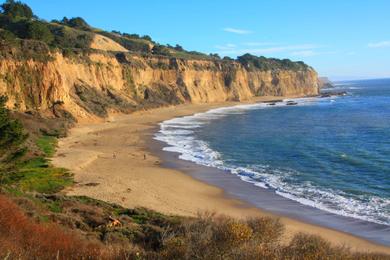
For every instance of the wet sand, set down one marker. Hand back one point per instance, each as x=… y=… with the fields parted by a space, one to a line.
x=114 y=161
x=268 y=200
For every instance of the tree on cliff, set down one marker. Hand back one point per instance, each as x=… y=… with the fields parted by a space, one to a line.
x=159 y=49
x=12 y=138
x=76 y=22
x=215 y=56
x=17 y=9
x=178 y=47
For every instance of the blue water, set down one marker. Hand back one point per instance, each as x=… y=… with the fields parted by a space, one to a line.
x=329 y=153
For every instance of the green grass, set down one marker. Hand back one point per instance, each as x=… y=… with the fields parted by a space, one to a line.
x=13 y=191
x=190 y=55
x=37 y=162
x=43 y=219
x=47 y=144
x=142 y=216
x=37 y=175
x=55 y=206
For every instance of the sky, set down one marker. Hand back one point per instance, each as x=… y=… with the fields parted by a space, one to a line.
x=343 y=39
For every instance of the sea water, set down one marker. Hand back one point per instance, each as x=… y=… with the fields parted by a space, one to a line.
x=329 y=153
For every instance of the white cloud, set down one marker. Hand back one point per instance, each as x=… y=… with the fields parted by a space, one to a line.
x=306 y=53
x=258 y=43
x=310 y=53
x=379 y=44
x=228 y=46
x=237 y=31
x=270 y=50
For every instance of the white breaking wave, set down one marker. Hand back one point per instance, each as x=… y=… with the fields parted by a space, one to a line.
x=340 y=87
x=344 y=84
x=177 y=133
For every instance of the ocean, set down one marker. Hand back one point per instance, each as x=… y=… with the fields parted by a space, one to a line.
x=329 y=153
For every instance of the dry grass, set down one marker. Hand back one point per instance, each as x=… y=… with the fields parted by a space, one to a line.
x=22 y=238
x=150 y=235
x=211 y=237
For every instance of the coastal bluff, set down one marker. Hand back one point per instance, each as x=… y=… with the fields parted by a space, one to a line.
x=94 y=83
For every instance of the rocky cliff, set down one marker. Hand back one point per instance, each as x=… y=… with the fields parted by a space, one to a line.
x=93 y=84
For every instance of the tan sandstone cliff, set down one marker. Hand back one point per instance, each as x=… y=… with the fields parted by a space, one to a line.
x=98 y=82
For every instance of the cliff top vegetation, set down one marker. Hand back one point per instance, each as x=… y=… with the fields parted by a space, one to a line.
x=21 y=29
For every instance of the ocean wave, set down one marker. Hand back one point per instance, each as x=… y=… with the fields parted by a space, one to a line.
x=344 y=84
x=340 y=87
x=180 y=139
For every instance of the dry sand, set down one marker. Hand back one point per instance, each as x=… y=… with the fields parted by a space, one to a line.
x=111 y=162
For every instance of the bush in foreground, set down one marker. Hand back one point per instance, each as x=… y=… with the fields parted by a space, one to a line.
x=144 y=234
x=21 y=238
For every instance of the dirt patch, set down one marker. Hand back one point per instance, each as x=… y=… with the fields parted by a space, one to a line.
x=101 y=42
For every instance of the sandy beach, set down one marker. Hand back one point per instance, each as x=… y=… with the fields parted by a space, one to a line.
x=112 y=161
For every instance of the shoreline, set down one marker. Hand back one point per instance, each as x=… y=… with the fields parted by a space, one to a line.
x=113 y=161
x=174 y=142
x=272 y=203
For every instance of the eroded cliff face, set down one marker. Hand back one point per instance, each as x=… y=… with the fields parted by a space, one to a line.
x=99 y=82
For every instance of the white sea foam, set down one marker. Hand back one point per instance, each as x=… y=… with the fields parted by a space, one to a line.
x=178 y=134
x=343 y=84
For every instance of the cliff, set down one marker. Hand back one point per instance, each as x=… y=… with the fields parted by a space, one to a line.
x=324 y=82
x=94 y=83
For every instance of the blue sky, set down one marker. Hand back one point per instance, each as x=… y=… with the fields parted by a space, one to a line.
x=343 y=39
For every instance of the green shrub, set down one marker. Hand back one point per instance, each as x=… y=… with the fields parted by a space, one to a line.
x=47 y=144
x=55 y=35
x=251 y=62
x=18 y=27
x=39 y=31
x=147 y=37
x=8 y=37
x=161 y=50
x=178 y=47
x=215 y=56
x=27 y=29
x=12 y=138
x=67 y=38
x=76 y=22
